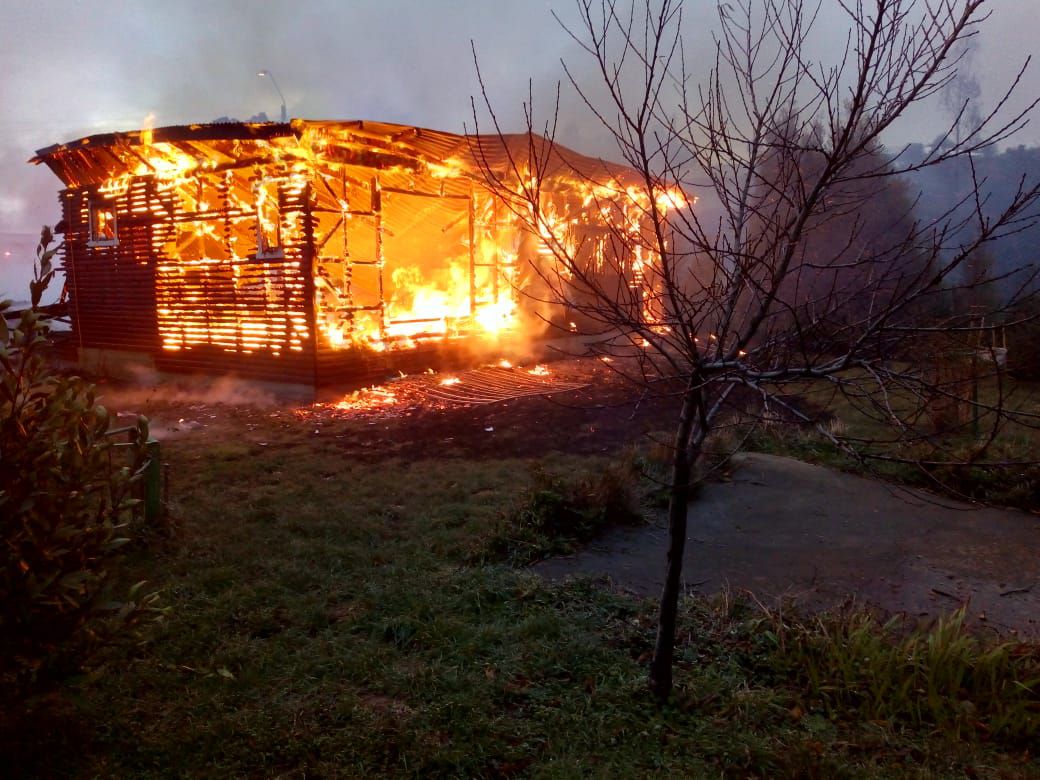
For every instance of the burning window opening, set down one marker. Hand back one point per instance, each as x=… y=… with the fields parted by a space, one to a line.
x=314 y=251
x=268 y=220
x=101 y=224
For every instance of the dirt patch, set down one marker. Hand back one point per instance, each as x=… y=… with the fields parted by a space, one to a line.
x=396 y=420
x=782 y=529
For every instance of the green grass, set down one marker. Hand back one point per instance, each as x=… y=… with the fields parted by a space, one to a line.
x=332 y=617
x=1015 y=485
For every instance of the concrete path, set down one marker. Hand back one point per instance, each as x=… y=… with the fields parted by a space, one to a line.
x=783 y=528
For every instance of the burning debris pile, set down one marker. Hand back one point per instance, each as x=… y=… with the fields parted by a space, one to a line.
x=476 y=387
x=318 y=251
x=579 y=405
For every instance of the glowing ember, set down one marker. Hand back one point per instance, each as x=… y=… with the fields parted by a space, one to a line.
x=367 y=399
x=450 y=380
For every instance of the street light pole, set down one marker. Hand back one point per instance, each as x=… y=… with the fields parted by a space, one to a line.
x=270 y=75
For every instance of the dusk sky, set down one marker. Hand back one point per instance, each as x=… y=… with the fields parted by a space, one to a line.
x=71 y=69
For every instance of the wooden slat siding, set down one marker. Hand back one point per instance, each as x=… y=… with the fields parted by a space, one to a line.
x=308 y=267
x=358 y=367
x=66 y=200
x=272 y=291
x=114 y=302
x=255 y=365
x=350 y=367
x=114 y=286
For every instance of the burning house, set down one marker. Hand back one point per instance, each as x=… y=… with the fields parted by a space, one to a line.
x=311 y=252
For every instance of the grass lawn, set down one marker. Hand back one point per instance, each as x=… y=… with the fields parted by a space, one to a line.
x=1016 y=442
x=343 y=616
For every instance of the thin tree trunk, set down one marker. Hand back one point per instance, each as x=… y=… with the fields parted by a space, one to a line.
x=682 y=467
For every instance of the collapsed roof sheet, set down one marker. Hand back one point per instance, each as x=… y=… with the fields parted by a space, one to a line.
x=98 y=158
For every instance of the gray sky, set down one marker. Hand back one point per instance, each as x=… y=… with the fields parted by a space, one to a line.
x=71 y=68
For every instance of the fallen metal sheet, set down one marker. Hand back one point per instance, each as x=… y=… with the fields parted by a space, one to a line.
x=490 y=385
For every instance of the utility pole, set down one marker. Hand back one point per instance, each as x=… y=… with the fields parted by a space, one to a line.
x=268 y=74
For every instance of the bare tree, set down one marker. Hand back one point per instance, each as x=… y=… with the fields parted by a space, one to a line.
x=786 y=274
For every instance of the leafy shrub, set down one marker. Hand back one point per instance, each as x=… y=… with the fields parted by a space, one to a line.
x=65 y=505
x=577 y=507
x=942 y=677
x=850 y=669
x=557 y=511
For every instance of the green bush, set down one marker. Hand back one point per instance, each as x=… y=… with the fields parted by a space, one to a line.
x=555 y=512
x=577 y=507
x=65 y=505
x=942 y=677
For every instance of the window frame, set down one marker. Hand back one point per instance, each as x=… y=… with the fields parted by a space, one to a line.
x=263 y=250
x=95 y=205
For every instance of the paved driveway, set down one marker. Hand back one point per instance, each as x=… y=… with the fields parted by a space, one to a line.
x=781 y=528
